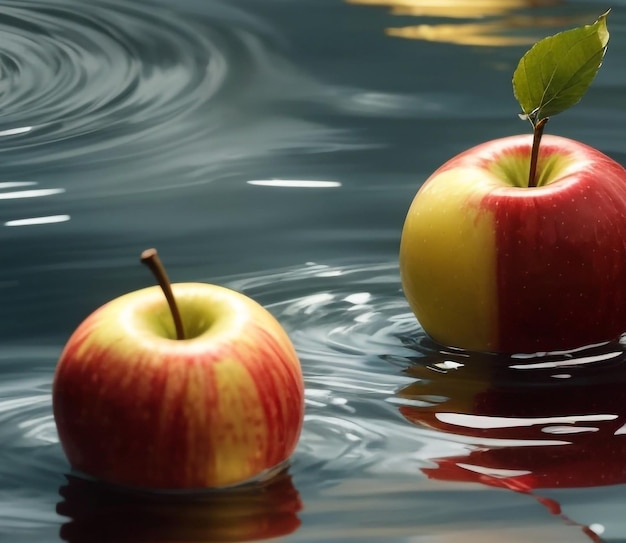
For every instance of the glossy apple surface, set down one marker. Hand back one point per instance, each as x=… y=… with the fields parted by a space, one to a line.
x=488 y=264
x=135 y=406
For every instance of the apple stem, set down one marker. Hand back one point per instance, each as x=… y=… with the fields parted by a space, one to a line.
x=534 y=155
x=151 y=259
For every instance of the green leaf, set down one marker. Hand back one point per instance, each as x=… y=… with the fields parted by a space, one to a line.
x=557 y=71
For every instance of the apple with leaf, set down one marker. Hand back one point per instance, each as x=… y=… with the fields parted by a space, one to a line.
x=519 y=244
x=197 y=388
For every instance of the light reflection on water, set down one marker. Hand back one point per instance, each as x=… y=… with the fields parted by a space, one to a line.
x=458 y=9
x=82 y=80
x=71 y=69
x=502 y=23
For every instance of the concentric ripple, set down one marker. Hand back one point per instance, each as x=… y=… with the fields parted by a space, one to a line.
x=112 y=97
x=343 y=320
x=369 y=368
x=71 y=68
x=25 y=410
x=136 y=87
x=387 y=409
x=30 y=456
x=348 y=324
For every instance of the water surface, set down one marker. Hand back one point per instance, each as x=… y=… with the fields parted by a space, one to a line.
x=274 y=147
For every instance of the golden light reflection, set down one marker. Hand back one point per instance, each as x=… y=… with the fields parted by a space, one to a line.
x=461 y=9
x=500 y=23
x=489 y=34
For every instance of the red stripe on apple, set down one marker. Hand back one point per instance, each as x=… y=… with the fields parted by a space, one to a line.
x=138 y=407
x=547 y=214
x=560 y=247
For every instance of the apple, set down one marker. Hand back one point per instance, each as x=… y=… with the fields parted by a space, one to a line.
x=490 y=264
x=136 y=406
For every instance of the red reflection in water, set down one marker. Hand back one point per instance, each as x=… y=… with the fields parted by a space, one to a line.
x=554 y=422
x=103 y=514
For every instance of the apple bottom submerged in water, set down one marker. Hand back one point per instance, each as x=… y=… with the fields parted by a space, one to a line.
x=488 y=264
x=135 y=406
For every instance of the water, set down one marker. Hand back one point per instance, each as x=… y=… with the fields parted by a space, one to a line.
x=126 y=125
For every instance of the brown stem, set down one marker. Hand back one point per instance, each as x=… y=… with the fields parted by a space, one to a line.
x=151 y=259
x=534 y=155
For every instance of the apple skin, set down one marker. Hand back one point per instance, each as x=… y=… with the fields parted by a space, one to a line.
x=136 y=407
x=488 y=266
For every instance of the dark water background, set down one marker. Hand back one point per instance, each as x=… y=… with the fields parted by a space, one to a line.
x=125 y=125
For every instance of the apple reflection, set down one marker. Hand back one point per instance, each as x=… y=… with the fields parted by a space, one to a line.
x=525 y=423
x=554 y=422
x=99 y=513
x=500 y=23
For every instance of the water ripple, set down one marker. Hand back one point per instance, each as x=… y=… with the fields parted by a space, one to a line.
x=347 y=324
x=26 y=418
x=352 y=314
x=144 y=98
x=386 y=407
x=71 y=69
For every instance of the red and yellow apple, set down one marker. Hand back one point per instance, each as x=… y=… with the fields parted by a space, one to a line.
x=489 y=264
x=138 y=407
